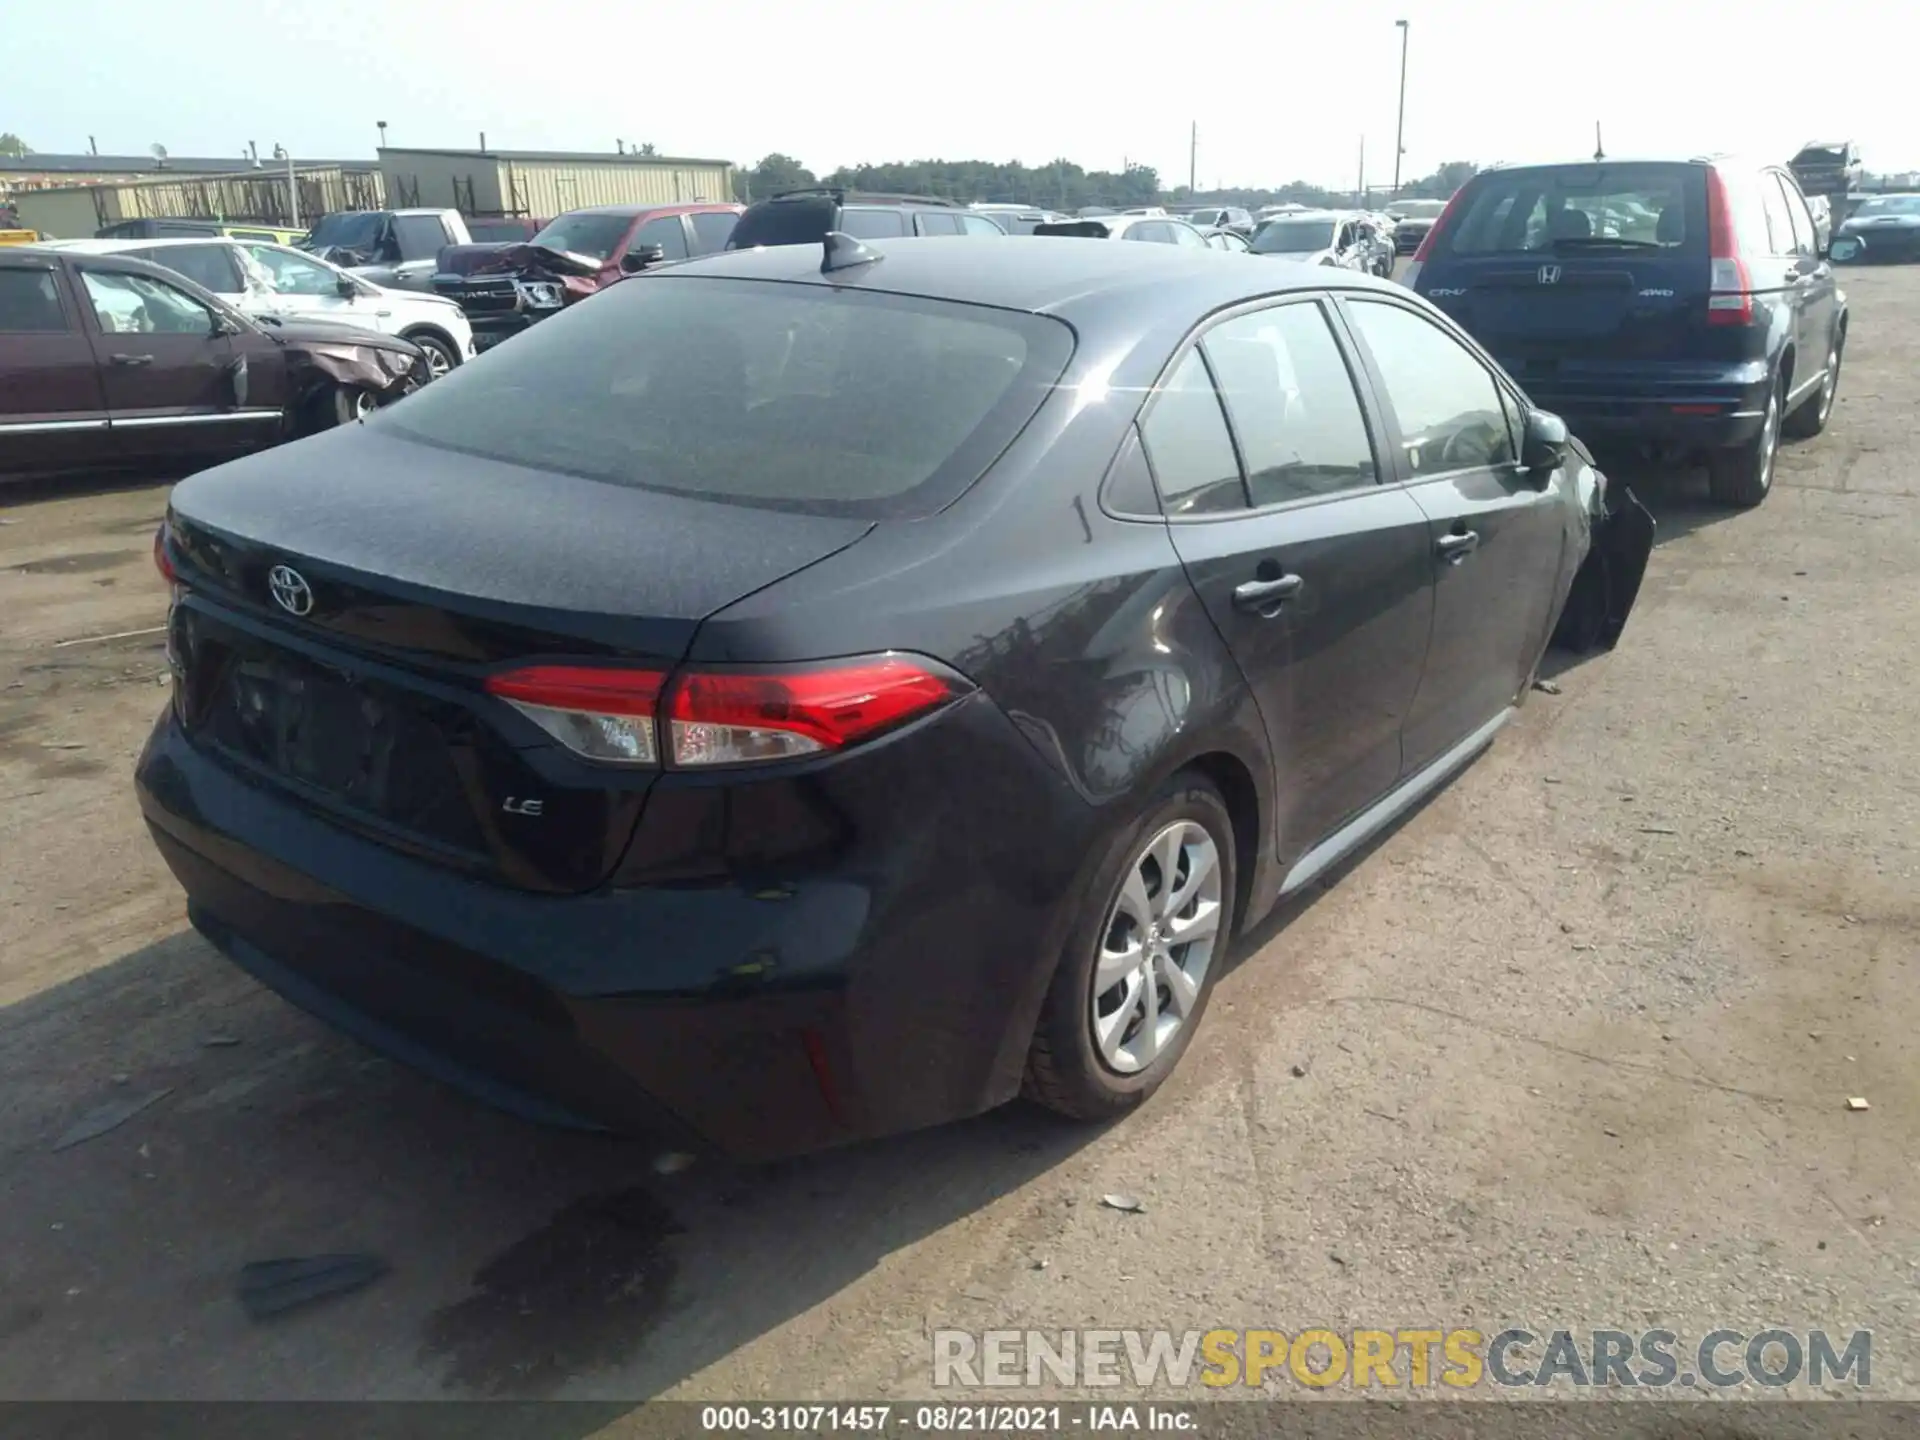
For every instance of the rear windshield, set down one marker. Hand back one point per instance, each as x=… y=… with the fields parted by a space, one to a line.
x=1576 y=207
x=790 y=396
x=594 y=236
x=1890 y=205
x=1293 y=237
x=349 y=229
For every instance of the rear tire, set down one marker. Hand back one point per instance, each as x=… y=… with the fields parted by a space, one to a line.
x=1098 y=1054
x=1812 y=416
x=1741 y=475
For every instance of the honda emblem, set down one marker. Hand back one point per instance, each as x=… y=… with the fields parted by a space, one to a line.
x=1549 y=274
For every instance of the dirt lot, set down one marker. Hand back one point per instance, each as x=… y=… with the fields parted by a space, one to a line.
x=1576 y=1041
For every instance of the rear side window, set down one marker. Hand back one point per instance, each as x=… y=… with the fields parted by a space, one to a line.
x=713 y=228
x=1152 y=231
x=796 y=397
x=419 y=236
x=30 y=303
x=1449 y=408
x=979 y=225
x=933 y=223
x=1570 y=207
x=873 y=224
x=210 y=267
x=1292 y=403
x=1188 y=445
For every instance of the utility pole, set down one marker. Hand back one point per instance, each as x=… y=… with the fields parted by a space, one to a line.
x=280 y=152
x=1400 y=125
x=93 y=147
x=1599 y=150
x=1360 y=193
x=1193 y=157
x=381 y=125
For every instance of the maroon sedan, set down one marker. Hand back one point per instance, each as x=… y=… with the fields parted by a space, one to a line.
x=110 y=363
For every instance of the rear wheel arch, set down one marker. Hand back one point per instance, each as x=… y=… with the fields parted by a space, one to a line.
x=1229 y=774
x=1783 y=368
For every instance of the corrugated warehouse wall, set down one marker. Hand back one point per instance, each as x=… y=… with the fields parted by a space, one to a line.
x=444 y=179
x=552 y=187
x=258 y=195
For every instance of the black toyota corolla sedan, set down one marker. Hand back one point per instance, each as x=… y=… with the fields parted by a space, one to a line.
x=816 y=692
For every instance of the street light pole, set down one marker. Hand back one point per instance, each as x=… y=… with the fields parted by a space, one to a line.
x=1400 y=125
x=280 y=152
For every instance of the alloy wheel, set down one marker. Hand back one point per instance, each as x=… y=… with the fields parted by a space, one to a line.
x=1156 y=946
x=1769 y=439
x=1832 y=389
x=438 y=361
x=364 y=404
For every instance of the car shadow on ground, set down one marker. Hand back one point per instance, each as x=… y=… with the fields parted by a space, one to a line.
x=524 y=1261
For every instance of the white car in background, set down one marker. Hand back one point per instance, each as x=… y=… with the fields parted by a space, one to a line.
x=258 y=278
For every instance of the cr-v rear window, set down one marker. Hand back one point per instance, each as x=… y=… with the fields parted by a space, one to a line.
x=793 y=396
x=1635 y=206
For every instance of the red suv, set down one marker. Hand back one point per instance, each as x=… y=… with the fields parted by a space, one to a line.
x=505 y=288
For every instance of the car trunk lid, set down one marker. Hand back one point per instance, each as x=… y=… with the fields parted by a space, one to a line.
x=346 y=600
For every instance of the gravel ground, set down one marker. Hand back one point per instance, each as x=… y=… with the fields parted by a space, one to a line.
x=1571 y=1048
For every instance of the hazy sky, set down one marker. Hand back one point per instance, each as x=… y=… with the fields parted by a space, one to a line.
x=1279 y=91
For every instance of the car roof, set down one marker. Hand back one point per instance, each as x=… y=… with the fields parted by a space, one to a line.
x=1079 y=280
x=157 y=242
x=629 y=211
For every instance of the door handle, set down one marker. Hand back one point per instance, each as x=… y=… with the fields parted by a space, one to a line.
x=132 y=359
x=1266 y=596
x=1455 y=548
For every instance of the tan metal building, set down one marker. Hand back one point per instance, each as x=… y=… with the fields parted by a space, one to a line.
x=76 y=211
x=546 y=183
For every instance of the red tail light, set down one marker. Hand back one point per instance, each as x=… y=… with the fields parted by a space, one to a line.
x=161 y=560
x=1730 y=297
x=1425 y=247
x=724 y=717
x=732 y=718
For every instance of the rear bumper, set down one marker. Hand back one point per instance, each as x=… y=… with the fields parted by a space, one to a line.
x=1694 y=407
x=760 y=1018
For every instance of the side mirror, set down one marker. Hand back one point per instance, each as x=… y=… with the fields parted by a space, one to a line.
x=634 y=261
x=223 y=326
x=344 y=287
x=1846 y=249
x=1543 y=443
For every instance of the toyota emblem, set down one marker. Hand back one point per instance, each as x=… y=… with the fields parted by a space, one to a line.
x=1549 y=274
x=290 y=590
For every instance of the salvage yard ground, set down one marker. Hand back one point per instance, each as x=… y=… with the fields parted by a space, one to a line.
x=1572 y=1047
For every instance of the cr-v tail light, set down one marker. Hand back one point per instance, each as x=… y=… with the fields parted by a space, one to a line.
x=709 y=717
x=1730 y=288
x=1428 y=240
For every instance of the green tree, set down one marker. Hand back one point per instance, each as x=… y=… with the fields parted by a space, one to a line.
x=12 y=144
x=775 y=173
x=1441 y=184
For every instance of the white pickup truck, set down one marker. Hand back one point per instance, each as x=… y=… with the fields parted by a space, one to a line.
x=396 y=248
x=260 y=279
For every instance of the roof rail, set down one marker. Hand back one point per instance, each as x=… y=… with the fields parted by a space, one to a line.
x=885 y=197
